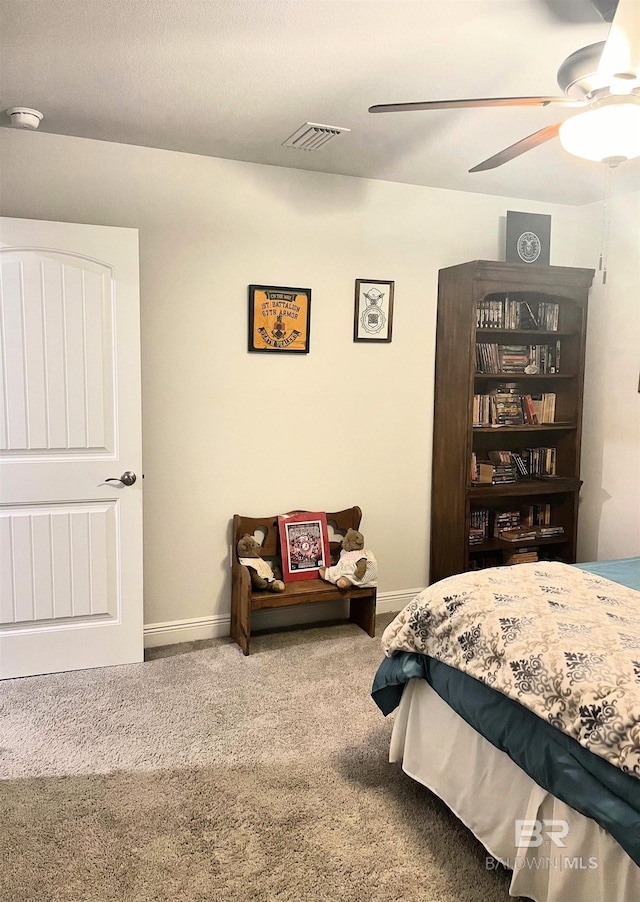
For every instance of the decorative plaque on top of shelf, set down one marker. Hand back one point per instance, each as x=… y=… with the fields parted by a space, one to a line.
x=528 y=238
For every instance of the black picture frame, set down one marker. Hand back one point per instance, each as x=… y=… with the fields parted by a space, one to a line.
x=279 y=319
x=373 y=312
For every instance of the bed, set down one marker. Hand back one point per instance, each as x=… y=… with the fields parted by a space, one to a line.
x=517 y=692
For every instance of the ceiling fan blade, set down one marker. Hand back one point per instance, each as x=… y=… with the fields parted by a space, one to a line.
x=479 y=102
x=621 y=54
x=606 y=8
x=539 y=137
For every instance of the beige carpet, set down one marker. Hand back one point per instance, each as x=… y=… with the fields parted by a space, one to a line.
x=204 y=776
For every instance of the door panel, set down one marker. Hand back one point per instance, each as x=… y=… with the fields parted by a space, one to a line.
x=59 y=561
x=58 y=354
x=70 y=542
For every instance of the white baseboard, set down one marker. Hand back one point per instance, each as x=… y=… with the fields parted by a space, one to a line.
x=389 y=602
x=174 y=631
x=217 y=626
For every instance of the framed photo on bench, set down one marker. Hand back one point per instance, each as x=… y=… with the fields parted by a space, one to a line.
x=304 y=545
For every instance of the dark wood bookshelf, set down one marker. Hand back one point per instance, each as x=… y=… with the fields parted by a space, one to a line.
x=454 y=496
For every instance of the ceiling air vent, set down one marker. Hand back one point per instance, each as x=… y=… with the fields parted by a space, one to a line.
x=312 y=136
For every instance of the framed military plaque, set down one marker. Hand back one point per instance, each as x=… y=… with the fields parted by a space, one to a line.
x=279 y=319
x=528 y=238
x=373 y=315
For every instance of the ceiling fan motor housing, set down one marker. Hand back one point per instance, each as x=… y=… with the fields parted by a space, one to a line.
x=578 y=75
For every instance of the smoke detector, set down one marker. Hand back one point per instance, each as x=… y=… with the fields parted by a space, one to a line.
x=23 y=117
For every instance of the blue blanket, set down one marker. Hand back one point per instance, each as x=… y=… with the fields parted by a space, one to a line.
x=585 y=781
x=625 y=571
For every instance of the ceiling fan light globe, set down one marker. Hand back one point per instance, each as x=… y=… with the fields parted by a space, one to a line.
x=608 y=131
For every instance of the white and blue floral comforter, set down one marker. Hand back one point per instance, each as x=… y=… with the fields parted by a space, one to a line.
x=563 y=642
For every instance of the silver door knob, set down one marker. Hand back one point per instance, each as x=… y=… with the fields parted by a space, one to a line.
x=127 y=478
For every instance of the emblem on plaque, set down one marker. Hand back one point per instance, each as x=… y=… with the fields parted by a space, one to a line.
x=373 y=319
x=529 y=247
x=279 y=330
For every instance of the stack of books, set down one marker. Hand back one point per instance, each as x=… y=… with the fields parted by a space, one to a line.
x=540 y=461
x=514 y=358
x=537 y=514
x=514 y=409
x=543 y=407
x=546 y=532
x=490 y=313
x=547 y=316
x=510 y=313
x=521 y=464
x=481 y=410
x=481 y=471
x=527 y=533
x=505 y=520
x=504 y=467
x=492 y=357
x=499 y=469
x=522 y=556
x=487 y=359
x=506 y=409
x=519 y=534
x=478 y=525
x=545 y=357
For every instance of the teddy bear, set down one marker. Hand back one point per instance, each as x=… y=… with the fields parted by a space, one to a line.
x=263 y=575
x=355 y=567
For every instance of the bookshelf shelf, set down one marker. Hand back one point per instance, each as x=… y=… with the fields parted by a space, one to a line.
x=502 y=545
x=527 y=427
x=504 y=294
x=540 y=334
x=512 y=377
x=524 y=488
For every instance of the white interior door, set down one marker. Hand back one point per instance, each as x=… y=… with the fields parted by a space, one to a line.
x=70 y=541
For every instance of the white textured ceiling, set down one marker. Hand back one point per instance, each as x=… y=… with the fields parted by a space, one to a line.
x=234 y=78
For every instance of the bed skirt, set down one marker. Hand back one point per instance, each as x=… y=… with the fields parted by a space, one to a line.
x=569 y=858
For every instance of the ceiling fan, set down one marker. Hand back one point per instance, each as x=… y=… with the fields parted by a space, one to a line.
x=602 y=79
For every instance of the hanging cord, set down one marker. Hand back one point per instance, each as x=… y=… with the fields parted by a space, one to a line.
x=606 y=220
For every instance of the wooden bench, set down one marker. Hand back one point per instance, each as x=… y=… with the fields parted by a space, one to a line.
x=362 y=601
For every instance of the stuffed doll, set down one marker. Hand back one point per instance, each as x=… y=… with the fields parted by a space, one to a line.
x=356 y=566
x=263 y=576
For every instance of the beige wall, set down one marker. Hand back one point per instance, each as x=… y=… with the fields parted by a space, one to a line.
x=610 y=506
x=225 y=431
